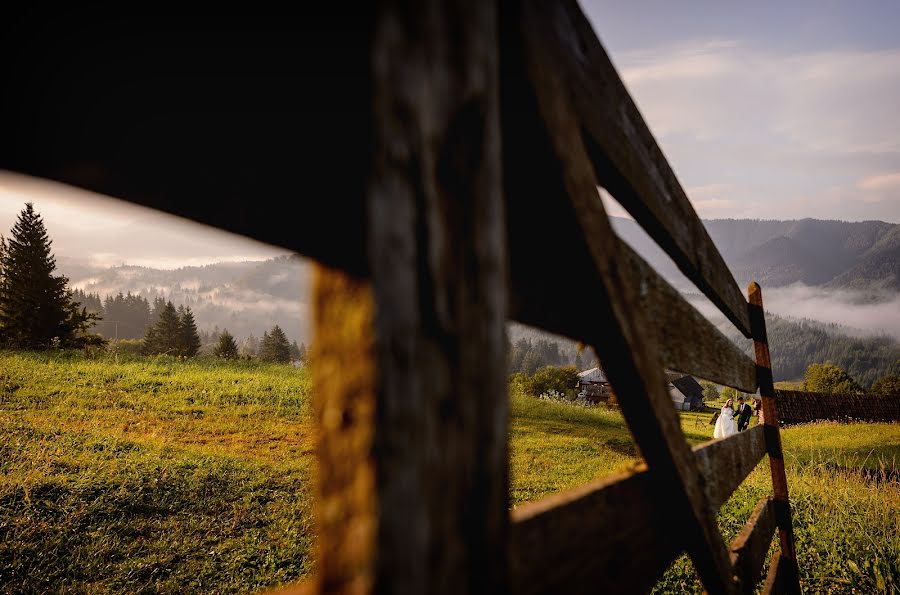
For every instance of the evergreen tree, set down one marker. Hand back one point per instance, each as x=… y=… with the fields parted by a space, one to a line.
x=165 y=336
x=226 y=348
x=531 y=362
x=275 y=347
x=37 y=310
x=249 y=347
x=159 y=304
x=188 y=339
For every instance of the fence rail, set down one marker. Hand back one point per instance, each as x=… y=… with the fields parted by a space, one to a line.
x=612 y=532
x=795 y=407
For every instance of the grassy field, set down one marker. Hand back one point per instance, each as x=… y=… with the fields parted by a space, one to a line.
x=124 y=476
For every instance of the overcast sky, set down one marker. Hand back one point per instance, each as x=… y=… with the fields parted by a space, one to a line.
x=770 y=110
x=103 y=231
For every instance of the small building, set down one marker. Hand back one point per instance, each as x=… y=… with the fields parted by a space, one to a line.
x=593 y=385
x=686 y=392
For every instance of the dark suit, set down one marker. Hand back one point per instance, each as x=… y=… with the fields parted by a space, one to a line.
x=742 y=415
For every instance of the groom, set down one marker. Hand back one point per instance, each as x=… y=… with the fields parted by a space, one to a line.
x=742 y=414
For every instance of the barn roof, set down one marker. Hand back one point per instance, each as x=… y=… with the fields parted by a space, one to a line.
x=687 y=384
x=592 y=375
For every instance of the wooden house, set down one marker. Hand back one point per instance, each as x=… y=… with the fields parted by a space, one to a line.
x=593 y=385
x=686 y=392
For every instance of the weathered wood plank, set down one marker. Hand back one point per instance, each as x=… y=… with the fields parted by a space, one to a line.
x=727 y=462
x=781 y=504
x=687 y=340
x=344 y=402
x=436 y=245
x=778 y=577
x=749 y=549
x=626 y=157
x=621 y=337
x=230 y=120
x=422 y=501
x=584 y=538
x=608 y=536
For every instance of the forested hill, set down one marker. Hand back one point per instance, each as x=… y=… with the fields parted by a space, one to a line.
x=247 y=298
x=835 y=254
x=795 y=344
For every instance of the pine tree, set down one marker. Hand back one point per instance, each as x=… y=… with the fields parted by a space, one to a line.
x=165 y=336
x=226 y=348
x=37 y=310
x=249 y=347
x=188 y=339
x=275 y=346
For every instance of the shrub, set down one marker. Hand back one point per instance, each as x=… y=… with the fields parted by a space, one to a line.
x=559 y=380
x=828 y=378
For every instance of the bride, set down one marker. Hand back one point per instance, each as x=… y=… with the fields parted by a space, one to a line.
x=725 y=424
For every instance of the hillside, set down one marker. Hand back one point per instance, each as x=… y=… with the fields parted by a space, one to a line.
x=131 y=480
x=795 y=344
x=248 y=298
x=838 y=254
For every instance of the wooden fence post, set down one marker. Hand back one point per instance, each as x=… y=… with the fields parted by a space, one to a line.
x=781 y=503
x=425 y=424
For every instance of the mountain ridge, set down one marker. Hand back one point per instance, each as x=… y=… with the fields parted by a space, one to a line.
x=776 y=253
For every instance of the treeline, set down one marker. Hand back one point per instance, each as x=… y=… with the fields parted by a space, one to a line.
x=121 y=316
x=163 y=328
x=797 y=344
x=529 y=355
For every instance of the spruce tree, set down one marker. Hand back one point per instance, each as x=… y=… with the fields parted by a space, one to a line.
x=275 y=346
x=165 y=336
x=226 y=348
x=37 y=310
x=188 y=339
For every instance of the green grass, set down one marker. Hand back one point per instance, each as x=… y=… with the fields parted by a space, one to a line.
x=157 y=475
x=152 y=475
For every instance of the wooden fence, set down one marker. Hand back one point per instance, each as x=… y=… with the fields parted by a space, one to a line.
x=797 y=407
x=456 y=153
x=483 y=206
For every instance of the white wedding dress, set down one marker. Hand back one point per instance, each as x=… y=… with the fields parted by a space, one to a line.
x=725 y=424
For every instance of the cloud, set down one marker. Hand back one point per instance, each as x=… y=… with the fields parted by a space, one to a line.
x=870 y=314
x=857 y=313
x=106 y=231
x=881 y=182
x=756 y=132
x=880 y=188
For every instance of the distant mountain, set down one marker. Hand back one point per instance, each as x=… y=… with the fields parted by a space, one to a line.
x=837 y=254
x=246 y=297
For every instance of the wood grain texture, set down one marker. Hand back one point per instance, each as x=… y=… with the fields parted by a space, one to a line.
x=344 y=381
x=687 y=341
x=584 y=539
x=725 y=463
x=437 y=252
x=782 y=506
x=749 y=548
x=607 y=536
x=777 y=578
x=627 y=159
x=631 y=361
